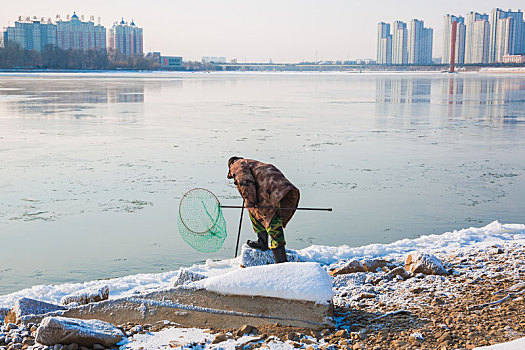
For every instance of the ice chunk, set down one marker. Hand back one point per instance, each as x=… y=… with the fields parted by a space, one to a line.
x=86 y=296
x=186 y=276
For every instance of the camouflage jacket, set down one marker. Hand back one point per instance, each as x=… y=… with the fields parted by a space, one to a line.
x=264 y=185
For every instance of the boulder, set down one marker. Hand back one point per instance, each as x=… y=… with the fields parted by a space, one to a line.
x=219 y=338
x=372 y=265
x=351 y=266
x=428 y=264
x=186 y=276
x=3 y=313
x=367 y=265
x=26 y=306
x=400 y=271
x=256 y=257
x=86 y=296
x=63 y=330
x=246 y=329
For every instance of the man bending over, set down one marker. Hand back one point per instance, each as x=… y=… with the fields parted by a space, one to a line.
x=271 y=201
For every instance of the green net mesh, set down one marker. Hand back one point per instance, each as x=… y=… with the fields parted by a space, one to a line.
x=201 y=223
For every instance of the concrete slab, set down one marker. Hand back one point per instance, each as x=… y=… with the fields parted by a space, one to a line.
x=201 y=308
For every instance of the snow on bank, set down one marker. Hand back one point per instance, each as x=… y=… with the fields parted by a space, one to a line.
x=132 y=285
x=119 y=287
x=191 y=338
x=168 y=338
x=518 y=344
x=292 y=280
x=467 y=238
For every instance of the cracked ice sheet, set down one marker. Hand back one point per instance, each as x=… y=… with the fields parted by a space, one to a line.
x=182 y=338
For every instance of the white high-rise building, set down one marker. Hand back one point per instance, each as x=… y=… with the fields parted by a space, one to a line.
x=415 y=33
x=384 y=44
x=77 y=34
x=481 y=41
x=502 y=42
x=426 y=46
x=477 y=37
x=507 y=34
x=420 y=41
x=459 y=56
x=126 y=38
x=31 y=34
x=399 y=43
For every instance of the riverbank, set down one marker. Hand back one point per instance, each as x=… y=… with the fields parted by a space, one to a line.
x=379 y=308
x=374 y=310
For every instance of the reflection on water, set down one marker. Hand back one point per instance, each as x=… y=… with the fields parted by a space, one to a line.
x=494 y=99
x=92 y=166
x=48 y=97
x=474 y=97
x=403 y=90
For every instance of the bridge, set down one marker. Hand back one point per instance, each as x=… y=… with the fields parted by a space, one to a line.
x=305 y=67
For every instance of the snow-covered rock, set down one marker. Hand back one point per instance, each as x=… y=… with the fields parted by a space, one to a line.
x=292 y=280
x=186 y=276
x=351 y=266
x=400 y=271
x=86 y=296
x=372 y=265
x=256 y=257
x=417 y=262
x=3 y=313
x=26 y=306
x=366 y=265
x=63 y=330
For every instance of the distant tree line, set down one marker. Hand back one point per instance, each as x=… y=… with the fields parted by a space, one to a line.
x=52 y=57
x=198 y=66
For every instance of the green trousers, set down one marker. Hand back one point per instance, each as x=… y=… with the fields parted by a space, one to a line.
x=275 y=230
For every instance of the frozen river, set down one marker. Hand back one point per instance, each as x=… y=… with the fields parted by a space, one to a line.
x=92 y=166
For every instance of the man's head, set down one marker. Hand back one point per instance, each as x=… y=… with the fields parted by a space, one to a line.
x=233 y=160
x=230 y=163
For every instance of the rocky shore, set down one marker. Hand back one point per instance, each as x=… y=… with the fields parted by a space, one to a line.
x=452 y=311
x=463 y=299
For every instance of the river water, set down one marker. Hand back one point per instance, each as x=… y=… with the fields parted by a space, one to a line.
x=92 y=166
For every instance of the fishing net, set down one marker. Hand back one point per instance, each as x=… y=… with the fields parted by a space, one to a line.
x=201 y=223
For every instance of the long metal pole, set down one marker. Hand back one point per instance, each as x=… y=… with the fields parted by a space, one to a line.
x=240 y=225
x=237 y=207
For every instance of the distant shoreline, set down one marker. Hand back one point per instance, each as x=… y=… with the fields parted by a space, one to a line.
x=288 y=69
x=323 y=72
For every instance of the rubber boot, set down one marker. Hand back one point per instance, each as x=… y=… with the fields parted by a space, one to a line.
x=261 y=243
x=279 y=254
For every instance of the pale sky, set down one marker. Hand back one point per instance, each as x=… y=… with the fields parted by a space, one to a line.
x=249 y=30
